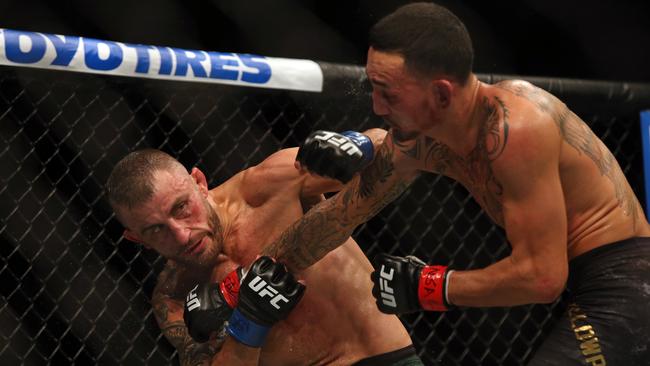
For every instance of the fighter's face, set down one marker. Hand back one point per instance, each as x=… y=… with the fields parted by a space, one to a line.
x=178 y=221
x=398 y=96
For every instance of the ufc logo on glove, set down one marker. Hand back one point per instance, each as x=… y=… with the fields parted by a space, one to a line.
x=387 y=296
x=339 y=141
x=192 y=300
x=263 y=289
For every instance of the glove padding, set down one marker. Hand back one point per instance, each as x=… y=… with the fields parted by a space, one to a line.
x=208 y=306
x=267 y=295
x=335 y=155
x=406 y=284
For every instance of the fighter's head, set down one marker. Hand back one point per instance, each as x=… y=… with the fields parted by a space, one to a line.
x=164 y=207
x=418 y=56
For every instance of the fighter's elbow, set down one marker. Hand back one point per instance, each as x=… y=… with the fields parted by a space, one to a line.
x=545 y=284
x=548 y=290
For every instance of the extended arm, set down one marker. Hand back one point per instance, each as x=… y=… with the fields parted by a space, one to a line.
x=328 y=224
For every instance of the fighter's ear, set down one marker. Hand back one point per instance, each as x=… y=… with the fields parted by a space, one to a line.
x=200 y=179
x=441 y=90
x=130 y=235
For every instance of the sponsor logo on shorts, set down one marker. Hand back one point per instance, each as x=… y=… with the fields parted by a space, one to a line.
x=586 y=335
x=263 y=289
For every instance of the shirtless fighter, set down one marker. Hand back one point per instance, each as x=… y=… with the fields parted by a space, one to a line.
x=208 y=234
x=535 y=167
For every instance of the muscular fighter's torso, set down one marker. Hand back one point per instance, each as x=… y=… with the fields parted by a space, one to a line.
x=600 y=205
x=336 y=322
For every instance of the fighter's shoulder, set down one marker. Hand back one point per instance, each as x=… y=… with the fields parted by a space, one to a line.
x=173 y=282
x=526 y=128
x=278 y=166
x=528 y=94
x=274 y=174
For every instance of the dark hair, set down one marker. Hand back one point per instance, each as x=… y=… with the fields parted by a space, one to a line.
x=131 y=181
x=429 y=37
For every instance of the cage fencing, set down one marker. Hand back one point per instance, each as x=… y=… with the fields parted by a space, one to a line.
x=74 y=291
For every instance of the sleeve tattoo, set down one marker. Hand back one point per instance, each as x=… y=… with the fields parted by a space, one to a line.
x=166 y=310
x=329 y=224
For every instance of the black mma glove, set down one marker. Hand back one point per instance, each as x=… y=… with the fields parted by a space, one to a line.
x=406 y=284
x=208 y=306
x=267 y=295
x=336 y=155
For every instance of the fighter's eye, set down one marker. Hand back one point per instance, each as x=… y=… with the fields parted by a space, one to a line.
x=181 y=209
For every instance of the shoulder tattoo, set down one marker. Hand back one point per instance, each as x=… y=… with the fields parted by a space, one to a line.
x=575 y=132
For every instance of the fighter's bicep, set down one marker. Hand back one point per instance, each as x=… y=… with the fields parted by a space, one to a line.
x=532 y=198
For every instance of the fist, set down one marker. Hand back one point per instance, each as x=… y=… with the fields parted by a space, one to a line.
x=267 y=295
x=209 y=306
x=406 y=284
x=335 y=155
x=395 y=283
x=269 y=292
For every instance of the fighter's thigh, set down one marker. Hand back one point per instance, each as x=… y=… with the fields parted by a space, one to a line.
x=607 y=335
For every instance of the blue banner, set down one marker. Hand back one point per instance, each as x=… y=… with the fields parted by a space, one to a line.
x=645 y=138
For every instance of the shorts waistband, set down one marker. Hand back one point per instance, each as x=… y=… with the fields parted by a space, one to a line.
x=616 y=246
x=629 y=257
x=388 y=358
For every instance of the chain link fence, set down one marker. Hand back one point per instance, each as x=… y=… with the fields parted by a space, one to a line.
x=74 y=291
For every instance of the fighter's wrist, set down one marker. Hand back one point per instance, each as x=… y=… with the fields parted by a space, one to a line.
x=246 y=331
x=432 y=288
x=364 y=143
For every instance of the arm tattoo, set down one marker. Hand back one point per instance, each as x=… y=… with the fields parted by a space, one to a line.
x=578 y=135
x=189 y=351
x=329 y=224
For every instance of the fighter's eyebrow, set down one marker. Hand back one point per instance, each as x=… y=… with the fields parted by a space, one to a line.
x=377 y=82
x=174 y=207
x=177 y=204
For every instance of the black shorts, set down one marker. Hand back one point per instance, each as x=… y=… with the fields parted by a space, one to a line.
x=401 y=357
x=607 y=321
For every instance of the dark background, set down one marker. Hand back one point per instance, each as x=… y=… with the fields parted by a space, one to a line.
x=73 y=291
x=605 y=39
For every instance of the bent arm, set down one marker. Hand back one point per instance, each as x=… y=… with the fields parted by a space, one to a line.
x=536 y=226
x=169 y=315
x=329 y=224
x=219 y=350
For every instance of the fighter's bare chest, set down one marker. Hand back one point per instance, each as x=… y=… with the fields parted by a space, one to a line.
x=474 y=172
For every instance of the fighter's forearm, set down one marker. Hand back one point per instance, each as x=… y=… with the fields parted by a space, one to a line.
x=329 y=224
x=189 y=351
x=504 y=283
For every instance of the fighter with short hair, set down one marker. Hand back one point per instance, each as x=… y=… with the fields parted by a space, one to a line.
x=535 y=167
x=246 y=310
